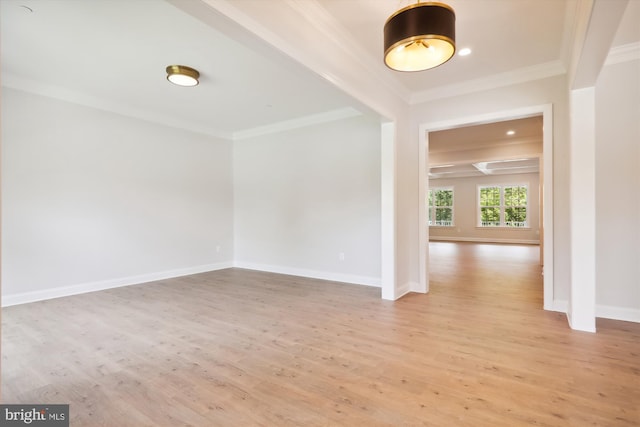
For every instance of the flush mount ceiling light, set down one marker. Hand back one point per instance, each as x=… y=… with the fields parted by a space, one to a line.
x=182 y=75
x=419 y=37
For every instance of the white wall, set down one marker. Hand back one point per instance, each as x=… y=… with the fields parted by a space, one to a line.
x=304 y=31
x=92 y=199
x=551 y=90
x=465 y=210
x=617 y=191
x=304 y=196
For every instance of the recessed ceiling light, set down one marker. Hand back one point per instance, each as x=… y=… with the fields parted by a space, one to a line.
x=464 y=51
x=182 y=75
x=511 y=132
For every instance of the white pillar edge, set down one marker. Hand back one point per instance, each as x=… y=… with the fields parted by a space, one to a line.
x=388 y=209
x=582 y=182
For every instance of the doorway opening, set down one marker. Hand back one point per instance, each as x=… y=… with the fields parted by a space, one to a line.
x=521 y=158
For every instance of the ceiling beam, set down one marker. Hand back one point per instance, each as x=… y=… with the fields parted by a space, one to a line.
x=596 y=29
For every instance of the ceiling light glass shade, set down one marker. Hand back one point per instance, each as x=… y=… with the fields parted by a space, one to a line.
x=182 y=75
x=419 y=37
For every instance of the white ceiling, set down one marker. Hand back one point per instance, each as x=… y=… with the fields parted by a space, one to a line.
x=503 y=35
x=116 y=52
x=487 y=135
x=490 y=138
x=112 y=54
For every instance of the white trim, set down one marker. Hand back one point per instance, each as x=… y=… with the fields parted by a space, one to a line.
x=68 y=95
x=575 y=43
x=331 y=29
x=547 y=140
x=582 y=202
x=534 y=72
x=313 y=274
x=618 y=313
x=561 y=306
x=300 y=122
x=63 y=291
x=423 y=215
x=311 y=14
x=484 y=240
x=598 y=23
x=547 y=204
x=404 y=290
x=623 y=53
x=388 y=209
x=58 y=92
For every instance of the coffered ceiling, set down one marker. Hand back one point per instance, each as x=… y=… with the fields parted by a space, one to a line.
x=500 y=148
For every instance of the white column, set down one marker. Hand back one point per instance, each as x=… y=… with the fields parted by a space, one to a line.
x=423 y=187
x=582 y=299
x=388 y=210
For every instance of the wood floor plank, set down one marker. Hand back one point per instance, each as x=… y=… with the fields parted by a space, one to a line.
x=248 y=348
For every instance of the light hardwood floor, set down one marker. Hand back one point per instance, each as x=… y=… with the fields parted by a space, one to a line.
x=245 y=348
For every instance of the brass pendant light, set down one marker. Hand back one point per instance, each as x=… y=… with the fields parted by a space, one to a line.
x=419 y=37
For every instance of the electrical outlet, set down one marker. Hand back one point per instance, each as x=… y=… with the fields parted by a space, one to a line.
x=341 y=256
x=218 y=248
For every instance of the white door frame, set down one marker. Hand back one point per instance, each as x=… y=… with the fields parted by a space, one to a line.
x=546 y=111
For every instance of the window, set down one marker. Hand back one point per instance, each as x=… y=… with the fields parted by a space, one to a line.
x=490 y=206
x=440 y=205
x=503 y=206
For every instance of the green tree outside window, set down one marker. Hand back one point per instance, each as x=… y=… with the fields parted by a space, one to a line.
x=440 y=204
x=503 y=206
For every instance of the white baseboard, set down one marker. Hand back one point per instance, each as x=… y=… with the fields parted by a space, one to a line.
x=561 y=306
x=397 y=293
x=618 y=313
x=26 y=297
x=313 y=274
x=404 y=290
x=604 y=311
x=484 y=240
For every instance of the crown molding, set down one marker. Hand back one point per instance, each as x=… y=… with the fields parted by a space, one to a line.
x=68 y=95
x=522 y=75
x=572 y=22
x=314 y=119
x=598 y=24
x=623 y=53
x=361 y=77
x=63 y=94
x=579 y=16
x=331 y=29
